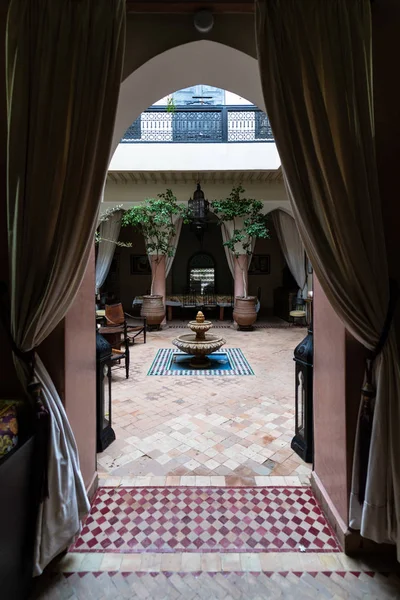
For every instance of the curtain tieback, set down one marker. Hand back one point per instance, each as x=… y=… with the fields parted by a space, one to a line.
x=368 y=392
x=42 y=425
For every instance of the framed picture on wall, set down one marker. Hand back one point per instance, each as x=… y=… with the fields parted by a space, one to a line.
x=140 y=264
x=260 y=264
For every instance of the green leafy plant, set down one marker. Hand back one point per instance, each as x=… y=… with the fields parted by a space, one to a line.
x=247 y=220
x=155 y=219
x=171 y=107
x=104 y=217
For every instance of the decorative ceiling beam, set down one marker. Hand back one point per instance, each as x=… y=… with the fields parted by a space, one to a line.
x=113 y=177
x=189 y=6
x=132 y=176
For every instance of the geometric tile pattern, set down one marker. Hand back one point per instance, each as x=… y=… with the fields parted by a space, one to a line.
x=166 y=519
x=237 y=427
x=164 y=357
x=328 y=585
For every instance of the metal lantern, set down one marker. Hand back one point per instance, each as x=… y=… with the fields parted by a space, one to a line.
x=198 y=210
x=104 y=432
x=303 y=441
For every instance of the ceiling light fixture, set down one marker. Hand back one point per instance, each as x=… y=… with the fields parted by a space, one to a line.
x=203 y=21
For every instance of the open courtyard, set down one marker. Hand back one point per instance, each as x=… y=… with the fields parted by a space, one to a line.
x=227 y=426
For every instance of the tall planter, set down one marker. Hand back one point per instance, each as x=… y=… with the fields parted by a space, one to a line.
x=244 y=224
x=156 y=219
x=153 y=309
x=244 y=312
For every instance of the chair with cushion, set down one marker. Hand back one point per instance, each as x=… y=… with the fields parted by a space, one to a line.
x=298 y=312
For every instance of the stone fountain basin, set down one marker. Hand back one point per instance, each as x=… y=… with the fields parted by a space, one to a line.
x=199 y=327
x=189 y=344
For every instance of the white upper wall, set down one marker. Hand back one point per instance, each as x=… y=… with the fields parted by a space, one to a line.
x=195 y=157
x=272 y=194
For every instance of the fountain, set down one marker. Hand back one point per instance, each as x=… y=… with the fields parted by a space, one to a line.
x=199 y=343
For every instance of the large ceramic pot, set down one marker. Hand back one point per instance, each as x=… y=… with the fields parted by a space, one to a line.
x=153 y=309
x=244 y=312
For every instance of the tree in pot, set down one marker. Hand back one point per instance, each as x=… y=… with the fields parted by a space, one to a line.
x=244 y=223
x=156 y=218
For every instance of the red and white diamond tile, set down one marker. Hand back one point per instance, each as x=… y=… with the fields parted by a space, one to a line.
x=186 y=519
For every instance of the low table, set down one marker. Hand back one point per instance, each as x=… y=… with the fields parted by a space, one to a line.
x=177 y=300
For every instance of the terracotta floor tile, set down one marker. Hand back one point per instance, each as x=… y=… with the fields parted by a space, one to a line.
x=207 y=419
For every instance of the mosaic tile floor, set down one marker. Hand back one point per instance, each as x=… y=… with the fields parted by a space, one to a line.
x=198 y=519
x=238 y=365
x=236 y=427
x=107 y=585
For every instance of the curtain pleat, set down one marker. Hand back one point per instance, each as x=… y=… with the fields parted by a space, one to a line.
x=316 y=74
x=109 y=233
x=292 y=247
x=230 y=257
x=169 y=261
x=63 y=67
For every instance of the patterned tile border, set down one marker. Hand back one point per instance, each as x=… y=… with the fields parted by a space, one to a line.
x=179 y=562
x=162 y=361
x=112 y=584
x=186 y=519
x=201 y=480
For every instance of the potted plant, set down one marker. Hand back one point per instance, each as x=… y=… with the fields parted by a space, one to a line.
x=245 y=223
x=155 y=219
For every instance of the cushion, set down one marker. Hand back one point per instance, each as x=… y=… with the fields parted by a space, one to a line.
x=8 y=426
x=297 y=313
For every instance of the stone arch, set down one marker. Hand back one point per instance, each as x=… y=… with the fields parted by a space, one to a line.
x=202 y=61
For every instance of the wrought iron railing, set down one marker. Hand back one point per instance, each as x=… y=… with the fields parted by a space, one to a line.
x=216 y=124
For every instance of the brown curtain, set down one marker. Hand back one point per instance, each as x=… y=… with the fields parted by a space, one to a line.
x=63 y=66
x=315 y=65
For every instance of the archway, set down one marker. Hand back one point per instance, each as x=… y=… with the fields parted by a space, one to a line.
x=189 y=64
x=202 y=61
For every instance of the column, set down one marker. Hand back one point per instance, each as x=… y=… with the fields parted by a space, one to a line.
x=159 y=283
x=158 y=273
x=241 y=264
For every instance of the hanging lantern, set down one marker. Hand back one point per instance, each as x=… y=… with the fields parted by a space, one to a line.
x=198 y=211
x=303 y=441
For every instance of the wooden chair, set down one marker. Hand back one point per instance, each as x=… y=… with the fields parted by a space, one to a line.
x=115 y=316
x=116 y=332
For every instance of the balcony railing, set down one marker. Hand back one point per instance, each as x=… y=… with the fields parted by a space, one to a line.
x=216 y=124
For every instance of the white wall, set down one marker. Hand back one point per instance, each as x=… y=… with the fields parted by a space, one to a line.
x=273 y=194
x=195 y=157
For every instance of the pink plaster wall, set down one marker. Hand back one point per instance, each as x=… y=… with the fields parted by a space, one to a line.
x=330 y=401
x=80 y=373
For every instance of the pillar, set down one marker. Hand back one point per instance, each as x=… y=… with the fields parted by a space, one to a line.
x=158 y=273
x=241 y=264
